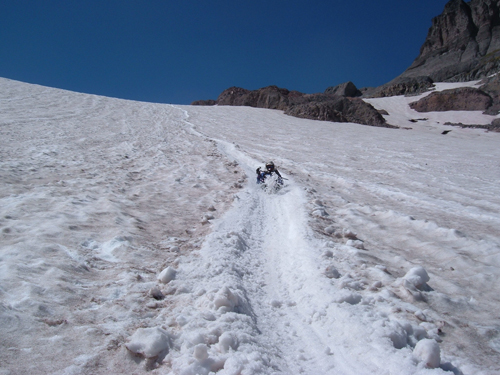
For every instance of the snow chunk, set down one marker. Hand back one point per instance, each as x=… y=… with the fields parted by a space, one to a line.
x=356 y=244
x=320 y=212
x=149 y=342
x=331 y=272
x=167 y=275
x=227 y=341
x=225 y=300
x=418 y=277
x=327 y=254
x=200 y=352
x=330 y=229
x=348 y=297
x=156 y=293
x=427 y=351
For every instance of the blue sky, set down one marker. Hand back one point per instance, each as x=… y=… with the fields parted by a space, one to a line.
x=180 y=51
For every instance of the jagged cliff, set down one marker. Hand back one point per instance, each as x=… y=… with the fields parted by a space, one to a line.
x=462 y=44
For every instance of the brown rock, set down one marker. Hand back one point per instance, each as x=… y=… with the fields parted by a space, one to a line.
x=204 y=102
x=344 y=89
x=461 y=99
x=404 y=86
x=339 y=109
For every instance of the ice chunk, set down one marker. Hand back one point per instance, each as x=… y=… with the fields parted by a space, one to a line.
x=149 y=342
x=427 y=351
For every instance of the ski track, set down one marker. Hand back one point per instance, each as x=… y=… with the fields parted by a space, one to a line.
x=271 y=256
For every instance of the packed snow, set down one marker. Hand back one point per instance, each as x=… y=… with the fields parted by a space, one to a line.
x=134 y=239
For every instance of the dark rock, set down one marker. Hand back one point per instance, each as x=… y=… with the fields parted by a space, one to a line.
x=404 y=86
x=462 y=44
x=491 y=86
x=270 y=97
x=233 y=96
x=345 y=89
x=204 y=102
x=367 y=92
x=461 y=99
x=494 y=126
x=338 y=109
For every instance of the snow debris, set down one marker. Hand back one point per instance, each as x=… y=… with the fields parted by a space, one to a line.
x=356 y=244
x=428 y=352
x=418 y=277
x=200 y=352
x=327 y=254
x=331 y=272
x=156 y=293
x=167 y=275
x=330 y=229
x=349 y=297
x=225 y=300
x=149 y=342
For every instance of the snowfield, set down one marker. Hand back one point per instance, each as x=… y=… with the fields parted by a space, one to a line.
x=135 y=240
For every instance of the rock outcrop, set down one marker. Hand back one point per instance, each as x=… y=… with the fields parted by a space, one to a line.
x=404 y=86
x=461 y=99
x=326 y=107
x=463 y=43
x=337 y=109
x=347 y=89
x=491 y=86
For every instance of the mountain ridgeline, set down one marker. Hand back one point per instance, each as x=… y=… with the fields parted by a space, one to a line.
x=463 y=44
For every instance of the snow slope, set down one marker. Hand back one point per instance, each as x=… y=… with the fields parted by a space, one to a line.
x=134 y=240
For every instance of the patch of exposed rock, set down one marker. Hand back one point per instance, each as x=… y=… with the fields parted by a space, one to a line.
x=461 y=99
x=403 y=86
x=335 y=106
x=491 y=86
x=493 y=127
x=204 y=102
x=338 y=109
x=345 y=89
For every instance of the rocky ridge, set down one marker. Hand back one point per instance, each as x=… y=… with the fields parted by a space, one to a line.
x=334 y=105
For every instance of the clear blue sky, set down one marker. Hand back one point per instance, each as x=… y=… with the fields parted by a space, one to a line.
x=180 y=51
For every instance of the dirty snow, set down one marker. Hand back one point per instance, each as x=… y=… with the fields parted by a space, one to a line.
x=134 y=240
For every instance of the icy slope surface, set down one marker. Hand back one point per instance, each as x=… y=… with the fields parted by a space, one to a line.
x=132 y=241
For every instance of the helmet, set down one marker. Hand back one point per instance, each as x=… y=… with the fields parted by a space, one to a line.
x=270 y=165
